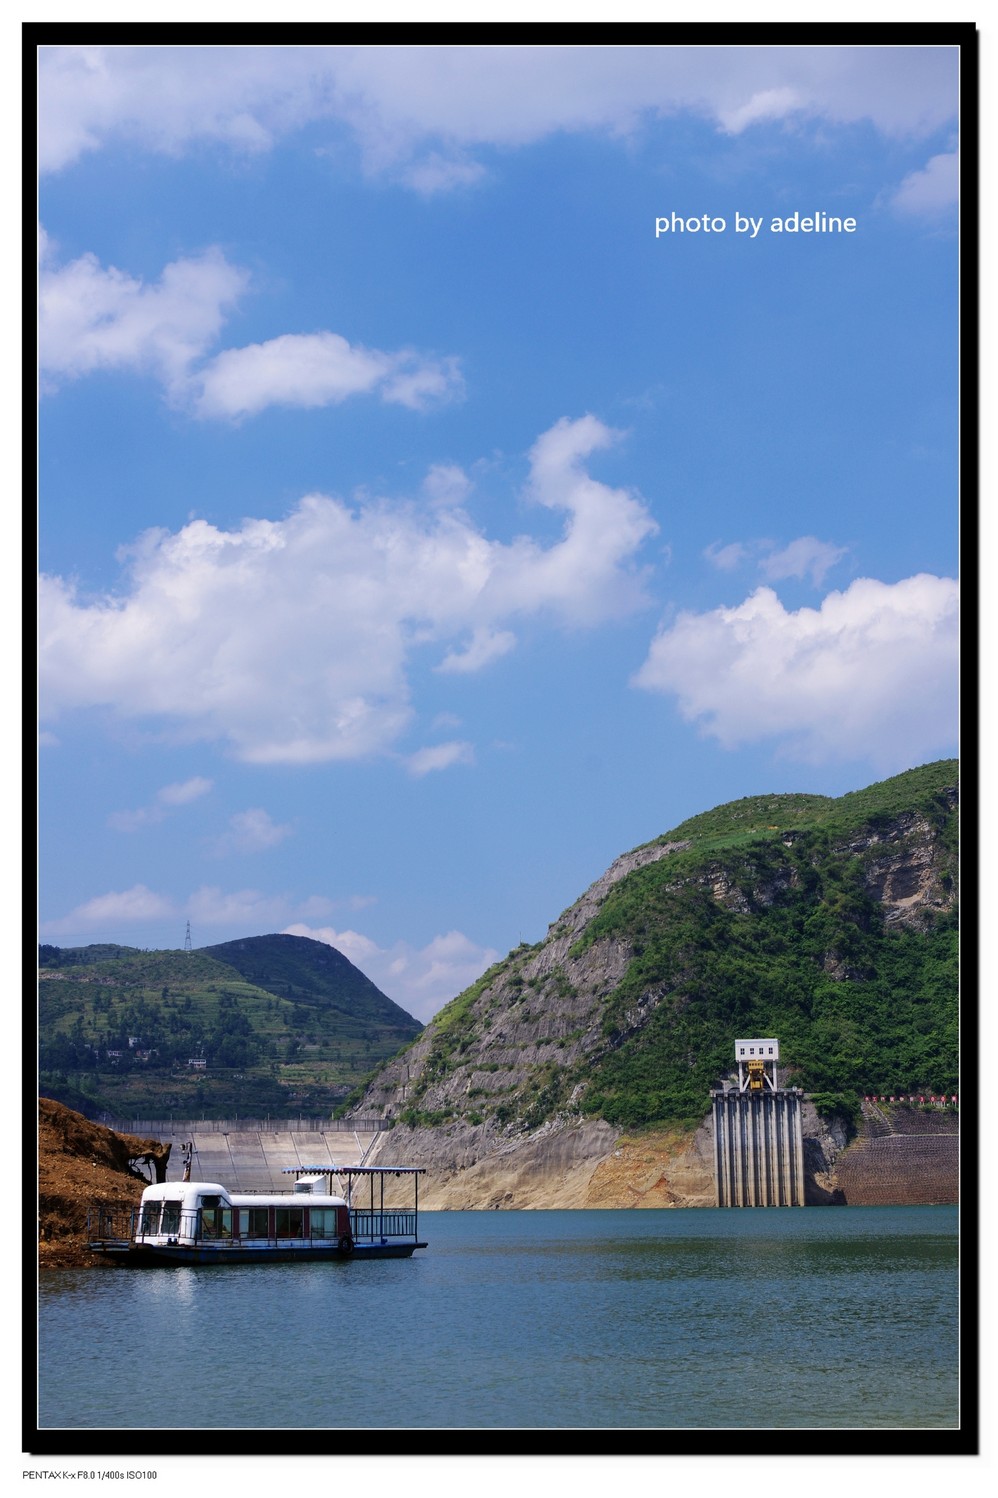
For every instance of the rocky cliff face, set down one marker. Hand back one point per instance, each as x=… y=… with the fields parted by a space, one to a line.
x=903 y=868
x=495 y=1096
x=536 y=1011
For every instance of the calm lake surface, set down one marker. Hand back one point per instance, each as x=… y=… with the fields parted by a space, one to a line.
x=813 y=1318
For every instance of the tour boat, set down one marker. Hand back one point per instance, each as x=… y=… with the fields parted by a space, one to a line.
x=201 y=1222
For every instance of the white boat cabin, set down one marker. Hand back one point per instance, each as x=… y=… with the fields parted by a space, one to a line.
x=205 y=1212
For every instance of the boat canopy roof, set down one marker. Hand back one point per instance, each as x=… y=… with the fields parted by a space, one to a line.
x=188 y=1193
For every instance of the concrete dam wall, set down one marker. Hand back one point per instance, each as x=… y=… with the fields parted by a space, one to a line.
x=247 y=1157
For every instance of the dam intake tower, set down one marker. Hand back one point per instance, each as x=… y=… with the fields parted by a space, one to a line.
x=758 y=1140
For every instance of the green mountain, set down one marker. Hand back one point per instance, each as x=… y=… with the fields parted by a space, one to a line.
x=277 y=1025
x=312 y=973
x=830 y=923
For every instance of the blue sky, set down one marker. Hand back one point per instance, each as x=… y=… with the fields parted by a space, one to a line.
x=419 y=531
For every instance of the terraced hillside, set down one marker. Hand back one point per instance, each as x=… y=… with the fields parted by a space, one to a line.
x=278 y=1025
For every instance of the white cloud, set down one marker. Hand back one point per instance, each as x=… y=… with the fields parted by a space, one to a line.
x=108 y=912
x=587 y=574
x=184 y=791
x=767 y=104
x=422 y=383
x=440 y=757
x=485 y=645
x=438 y=173
x=242 y=909
x=805 y=557
x=726 y=558
x=166 y=798
x=933 y=190
x=92 y=318
x=446 y=485
x=318 y=369
x=239 y=911
x=420 y=979
x=251 y=831
x=421 y=116
x=245 y=910
x=310 y=370
x=291 y=640
x=870 y=675
x=361 y=902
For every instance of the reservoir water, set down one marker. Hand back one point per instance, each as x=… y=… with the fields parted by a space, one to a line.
x=780 y=1318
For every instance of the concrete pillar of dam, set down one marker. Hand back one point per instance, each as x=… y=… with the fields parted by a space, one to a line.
x=758 y=1149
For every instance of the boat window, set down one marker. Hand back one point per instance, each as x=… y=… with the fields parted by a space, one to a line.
x=290 y=1222
x=254 y=1222
x=323 y=1222
x=171 y=1218
x=216 y=1222
x=149 y=1220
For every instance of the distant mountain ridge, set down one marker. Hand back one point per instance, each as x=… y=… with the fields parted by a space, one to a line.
x=273 y=1024
x=312 y=972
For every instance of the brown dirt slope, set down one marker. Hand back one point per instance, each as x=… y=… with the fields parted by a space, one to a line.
x=82 y=1164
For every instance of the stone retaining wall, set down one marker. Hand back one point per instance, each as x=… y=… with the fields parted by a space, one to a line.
x=901 y=1158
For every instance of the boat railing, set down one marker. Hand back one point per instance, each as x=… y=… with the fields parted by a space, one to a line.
x=121 y=1225
x=374 y=1226
x=111 y=1224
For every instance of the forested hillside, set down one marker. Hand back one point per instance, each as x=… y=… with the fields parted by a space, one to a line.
x=270 y=1024
x=830 y=923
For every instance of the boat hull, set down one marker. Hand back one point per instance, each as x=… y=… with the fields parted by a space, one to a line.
x=148 y=1256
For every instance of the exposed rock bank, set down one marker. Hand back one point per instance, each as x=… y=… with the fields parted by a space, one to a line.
x=80 y=1165
x=588 y=1165
x=898 y=1156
